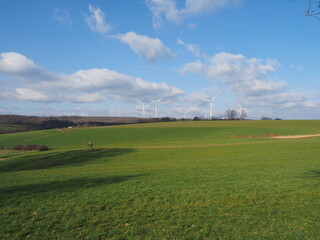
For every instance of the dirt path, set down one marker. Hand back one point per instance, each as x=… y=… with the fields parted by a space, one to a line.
x=296 y=136
x=209 y=145
x=235 y=144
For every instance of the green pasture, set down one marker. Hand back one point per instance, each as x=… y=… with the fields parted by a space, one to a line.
x=160 y=134
x=180 y=180
x=12 y=128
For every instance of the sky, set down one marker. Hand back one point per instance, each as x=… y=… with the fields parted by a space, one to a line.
x=111 y=57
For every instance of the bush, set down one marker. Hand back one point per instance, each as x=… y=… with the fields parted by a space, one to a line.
x=17 y=147
x=42 y=148
x=30 y=147
x=266 y=118
x=196 y=118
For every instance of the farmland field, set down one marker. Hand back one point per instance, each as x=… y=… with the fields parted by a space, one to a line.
x=177 y=180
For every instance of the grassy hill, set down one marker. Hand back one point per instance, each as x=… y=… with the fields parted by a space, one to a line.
x=179 y=180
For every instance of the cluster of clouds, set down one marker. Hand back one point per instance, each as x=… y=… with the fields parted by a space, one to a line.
x=96 y=20
x=167 y=10
x=249 y=79
x=149 y=49
x=93 y=85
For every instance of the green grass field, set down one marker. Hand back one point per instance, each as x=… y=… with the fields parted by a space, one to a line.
x=178 y=180
x=13 y=128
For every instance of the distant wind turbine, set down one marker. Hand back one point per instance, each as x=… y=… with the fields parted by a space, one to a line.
x=111 y=111
x=242 y=112
x=211 y=106
x=143 y=108
x=156 y=102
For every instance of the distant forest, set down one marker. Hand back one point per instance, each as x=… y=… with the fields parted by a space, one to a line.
x=20 y=123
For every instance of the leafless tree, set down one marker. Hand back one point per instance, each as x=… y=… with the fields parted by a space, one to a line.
x=313 y=8
x=243 y=114
x=231 y=114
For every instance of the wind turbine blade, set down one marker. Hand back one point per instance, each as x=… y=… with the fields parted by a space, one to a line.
x=215 y=97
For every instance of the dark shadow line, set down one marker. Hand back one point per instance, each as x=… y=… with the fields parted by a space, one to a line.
x=59 y=159
x=71 y=185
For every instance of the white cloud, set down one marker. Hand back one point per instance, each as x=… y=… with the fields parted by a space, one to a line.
x=96 y=20
x=11 y=62
x=281 y=100
x=245 y=76
x=196 y=7
x=167 y=9
x=194 y=49
x=62 y=16
x=85 y=98
x=163 y=8
x=149 y=49
x=23 y=94
x=19 y=66
x=188 y=111
x=198 y=97
x=297 y=68
x=249 y=79
x=92 y=85
x=113 y=83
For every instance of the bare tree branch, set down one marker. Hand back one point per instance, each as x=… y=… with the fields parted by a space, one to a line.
x=313 y=9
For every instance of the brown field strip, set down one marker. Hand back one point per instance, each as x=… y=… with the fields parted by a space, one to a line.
x=296 y=136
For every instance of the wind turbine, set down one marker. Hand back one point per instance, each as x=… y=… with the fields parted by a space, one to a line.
x=111 y=111
x=81 y=113
x=242 y=112
x=143 y=108
x=211 y=106
x=156 y=106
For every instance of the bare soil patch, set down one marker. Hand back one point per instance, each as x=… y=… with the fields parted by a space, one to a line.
x=255 y=136
x=296 y=136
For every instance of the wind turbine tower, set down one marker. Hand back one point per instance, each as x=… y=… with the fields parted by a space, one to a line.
x=143 y=108
x=156 y=102
x=111 y=111
x=211 y=106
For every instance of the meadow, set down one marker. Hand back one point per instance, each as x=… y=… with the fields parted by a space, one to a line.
x=177 y=180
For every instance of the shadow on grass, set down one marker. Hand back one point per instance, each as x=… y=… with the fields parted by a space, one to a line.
x=58 y=159
x=315 y=173
x=71 y=185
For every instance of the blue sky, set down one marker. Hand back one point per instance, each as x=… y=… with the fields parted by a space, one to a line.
x=102 y=58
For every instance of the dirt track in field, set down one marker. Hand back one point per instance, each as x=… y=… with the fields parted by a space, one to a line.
x=209 y=145
x=296 y=136
x=235 y=144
